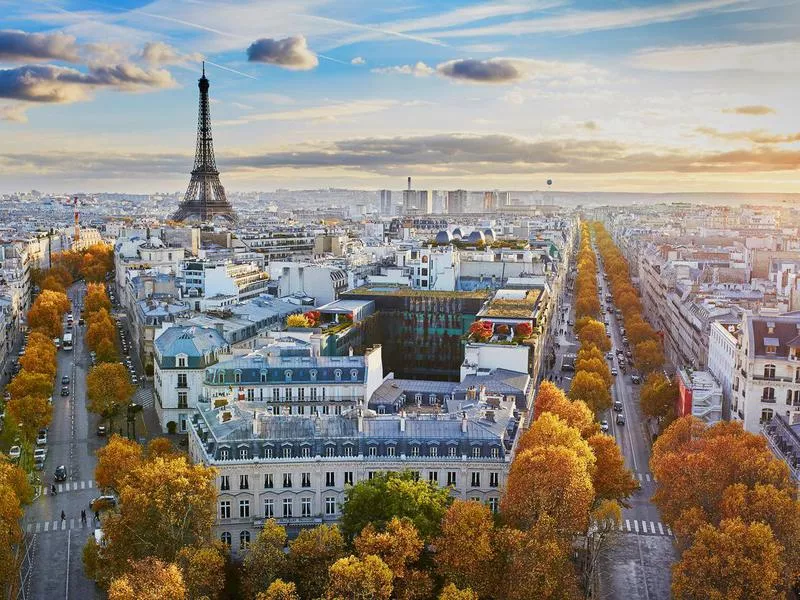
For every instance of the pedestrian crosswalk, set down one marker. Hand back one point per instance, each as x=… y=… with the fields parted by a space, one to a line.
x=644 y=477
x=70 y=486
x=144 y=397
x=642 y=527
x=60 y=525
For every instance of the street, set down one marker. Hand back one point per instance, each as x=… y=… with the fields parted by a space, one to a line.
x=57 y=570
x=637 y=564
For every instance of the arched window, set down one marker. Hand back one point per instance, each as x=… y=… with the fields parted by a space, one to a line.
x=337 y=374
x=221 y=377
x=354 y=375
x=244 y=540
x=313 y=374
x=287 y=374
x=769 y=371
x=226 y=538
x=263 y=377
x=766 y=415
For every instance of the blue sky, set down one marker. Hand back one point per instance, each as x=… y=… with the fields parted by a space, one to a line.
x=631 y=96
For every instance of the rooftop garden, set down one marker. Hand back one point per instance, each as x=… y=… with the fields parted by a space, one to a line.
x=486 y=332
x=496 y=244
x=329 y=323
x=513 y=308
x=387 y=290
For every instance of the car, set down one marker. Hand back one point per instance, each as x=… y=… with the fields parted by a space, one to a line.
x=104 y=502
x=604 y=426
x=620 y=419
x=41 y=439
x=40 y=454
x=65 y=390
x=65 y=380
x=38 y=464
x=14 y=452
x=636 y=379
x=609 y=356
x=618 y=405
x=614 y=372
x=101 y=430
x=81 y=322
x=622 y=362
x=134 y=380
x=60 y=473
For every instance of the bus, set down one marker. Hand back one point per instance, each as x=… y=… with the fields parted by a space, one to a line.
x=67 y=342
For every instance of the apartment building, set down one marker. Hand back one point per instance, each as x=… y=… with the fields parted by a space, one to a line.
x=206 y=279
x=722 y=358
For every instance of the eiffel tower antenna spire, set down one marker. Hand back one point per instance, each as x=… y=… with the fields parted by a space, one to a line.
x=205 y=197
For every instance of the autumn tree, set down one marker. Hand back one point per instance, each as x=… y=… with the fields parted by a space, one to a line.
x=591 y=389
x=40 y=356
x=26 y=383
x=32 y=411
x=157 y=516
x=100 y=328
x=96 y=298
x=451 y=592
x=736 y=561
x=109 y=390
x=354 y=578
x=53 y=284
x=464 y=551
x=148 y=579
x=115 y=461
x=548 y=481
x=15 y=479
x=265 y=560
x=399 y=546
x=311 y=554
x=596 y=366
x=594 y=333
x=610 y=478
x=10 y=535
x=551 y=398
x=202 y=569
x=550 y=430
x=648 y=356
x=658 y=396
x=389 y=495
x=46 y=312
x=297 y=321
x=280 y=590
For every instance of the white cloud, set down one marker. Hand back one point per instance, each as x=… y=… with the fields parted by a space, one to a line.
x=420 y=69
x=290 y=53
x=158 y=53
x=358 y=60
x=781 y=57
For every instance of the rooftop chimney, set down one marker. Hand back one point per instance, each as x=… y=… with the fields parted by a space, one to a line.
x=409 y=183
x=464 y=422
x=402 y=420
x=360 y=420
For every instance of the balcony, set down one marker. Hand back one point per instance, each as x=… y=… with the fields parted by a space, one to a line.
x=768 y=400
x=775 y=379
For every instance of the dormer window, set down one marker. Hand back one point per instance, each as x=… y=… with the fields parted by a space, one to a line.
x=221 y=377
x=287 y=375
x=180 y=361
x=313 y=374
x=337 y=374
x=237 y=377
x=770 y=349
x=354 y=375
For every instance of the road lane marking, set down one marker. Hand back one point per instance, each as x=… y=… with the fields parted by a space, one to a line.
x=647 y=476
x=652 y=527
x=660 y=529
x=72 y=523
x=636 y=525
x=63 y=525
x=628 y=524
x=669 y=531
x=29 y=527
x=83 y=483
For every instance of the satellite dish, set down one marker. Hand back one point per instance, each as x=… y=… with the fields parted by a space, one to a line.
x=549 y=182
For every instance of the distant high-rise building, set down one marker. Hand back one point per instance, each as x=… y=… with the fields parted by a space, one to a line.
x=504 y=198
x=438 y=202
x=205 y=197
x=457 y=202
x=386 y=202
x=489 y=201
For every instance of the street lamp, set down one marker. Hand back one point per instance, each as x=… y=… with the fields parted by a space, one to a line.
x=133 y=408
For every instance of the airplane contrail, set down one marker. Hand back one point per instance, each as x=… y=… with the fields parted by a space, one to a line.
x=416 y=38
x=229 y=69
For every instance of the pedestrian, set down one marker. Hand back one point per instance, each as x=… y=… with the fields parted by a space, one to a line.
x=97 y=515
x=83 y=516
x=53 y=489
x=63 y=516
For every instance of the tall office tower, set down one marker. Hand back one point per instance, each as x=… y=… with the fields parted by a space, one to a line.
x=205 y=197
x=504 y=198
x=489 y=201
x=386 y=202
x=438 y=202
x=457 y=202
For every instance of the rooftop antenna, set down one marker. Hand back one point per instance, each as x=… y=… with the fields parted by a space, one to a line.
x=204 y=68
x=409 y=183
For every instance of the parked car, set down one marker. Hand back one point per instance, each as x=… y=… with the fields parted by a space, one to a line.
x=61 y=473
x=101 y=430
x=41 y=439
x=604 y=426
x=65 y=390
x=101 y=503
x=65 y=380
x=14 y=452
x=618 y=405
x=609 y=356
x=614 y=372
x=620 y=419
x=40 y=454
x=636 y=379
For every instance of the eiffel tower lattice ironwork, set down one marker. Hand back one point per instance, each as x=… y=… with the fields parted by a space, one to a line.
x=205 y=197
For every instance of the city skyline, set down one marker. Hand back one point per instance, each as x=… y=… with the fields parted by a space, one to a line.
x=678 y=96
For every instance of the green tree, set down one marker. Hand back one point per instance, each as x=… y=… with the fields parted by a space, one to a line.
x=389 y=495
x=311 y=554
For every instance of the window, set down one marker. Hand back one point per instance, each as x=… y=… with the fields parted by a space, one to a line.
x=415 y=475
x=287 y=480
x=305 y=480
x=797 y=397
x=769 y=371
x=353 y=375
x=432 y=399
x=348 y=450
x=237 y=377
x=766 y=415
x=495 y=452
x=372 y=451
x=313 y=393
x=243 y=482
x=183 y=400
x=287 y=452
x=370 y=475
x=390 y=450
x=224 y=454
x=224 y=483
x=182 y=381
x=433 y=451
x=225 y=509
x=313 y=375
x=475 y=479
x=268 y=452
x=287 y=375
x=305 y=451
x=768 y=395
x=251 y=394
x=330 y=479
x=287 y=394
x=330 y=505
x=287 y=507
x=305 y=507
x=476 y=452
x=493 y=504
x=301 y=394
x=494 y=479
x=225 y=538
x=268 y=482
x=451 y=478
x=276 y=395
x=414 y=450
x=263 y=377
x=221 y=377
x=337 y=374
x=348 y=478
x=244 y=453
x=244 y=509
x=326 y=410
x=269 y=508
x=433 y=476
x=451 y=450
x=330 y=451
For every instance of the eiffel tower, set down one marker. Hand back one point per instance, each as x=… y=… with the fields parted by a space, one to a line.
x=205 y=197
